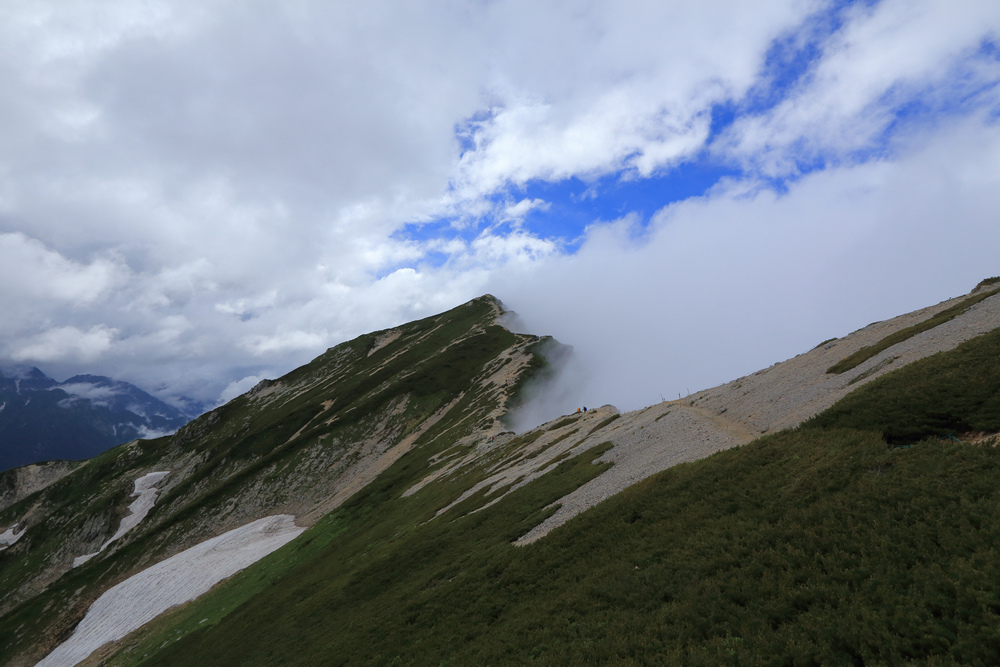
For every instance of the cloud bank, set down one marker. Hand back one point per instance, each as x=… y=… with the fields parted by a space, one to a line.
x=197 y=195
x=777 y=274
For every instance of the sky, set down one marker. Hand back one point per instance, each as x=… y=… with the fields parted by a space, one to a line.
x=198 y=195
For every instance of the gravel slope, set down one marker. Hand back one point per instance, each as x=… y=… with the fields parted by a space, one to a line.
x=782 y=396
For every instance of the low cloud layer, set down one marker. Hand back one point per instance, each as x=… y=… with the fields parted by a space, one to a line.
x=197 y=195
x=776 y=274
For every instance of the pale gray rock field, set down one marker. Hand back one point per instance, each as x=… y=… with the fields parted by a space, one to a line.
x=176 y=580
x=20 y=483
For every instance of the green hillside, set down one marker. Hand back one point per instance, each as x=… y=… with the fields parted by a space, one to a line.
x=865 y=536
x=820 y=545
x=945 y=395
x=287 y=446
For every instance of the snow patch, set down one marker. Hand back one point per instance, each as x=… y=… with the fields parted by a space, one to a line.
x=178 y=579
x=144 y=489
x=8 y=537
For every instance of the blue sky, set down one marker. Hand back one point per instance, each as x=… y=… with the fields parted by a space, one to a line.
x=195 y=196
x=568 y=205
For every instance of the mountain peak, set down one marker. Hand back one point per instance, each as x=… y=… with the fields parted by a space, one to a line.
x=21 y=372
x=97 y=380
x=41 y=419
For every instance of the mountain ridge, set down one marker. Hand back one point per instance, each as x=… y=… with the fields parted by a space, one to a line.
x=383 y=440
x=460 y=366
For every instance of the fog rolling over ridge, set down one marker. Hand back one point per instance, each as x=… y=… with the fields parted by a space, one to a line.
x=773 y=274
x=560 y=388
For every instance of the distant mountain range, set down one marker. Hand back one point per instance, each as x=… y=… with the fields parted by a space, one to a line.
x=42 y=419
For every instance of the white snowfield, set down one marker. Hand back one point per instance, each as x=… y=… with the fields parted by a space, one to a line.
x=144 y=489
x=9 y=537
x=178 y=579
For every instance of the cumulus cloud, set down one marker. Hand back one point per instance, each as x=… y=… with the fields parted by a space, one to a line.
x=284 y=341
x=776 y=274
x=61 y=343
x=193 y=193
x=890 y=55
x=636 y=98
x=516 y=212
x=248 y=307
x=30 y=270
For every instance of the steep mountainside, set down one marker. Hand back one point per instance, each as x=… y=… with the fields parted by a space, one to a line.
x=412 y=519
x=42 y=420
x=299 y=445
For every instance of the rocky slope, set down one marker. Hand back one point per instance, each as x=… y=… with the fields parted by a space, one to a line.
x=781 y=396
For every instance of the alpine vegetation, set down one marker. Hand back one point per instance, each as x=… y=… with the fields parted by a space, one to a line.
x=377 y=506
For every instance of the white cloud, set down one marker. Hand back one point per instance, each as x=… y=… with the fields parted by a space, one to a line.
x=516 y=212
x=191 y=192
x=248 y=307
x=518 y=248
x=100 y=396
x=637 y=97
x=29 y=270
x=894 y=53
x=66 y=343
x=285 y=341
x=730 y=283
x=89 y=391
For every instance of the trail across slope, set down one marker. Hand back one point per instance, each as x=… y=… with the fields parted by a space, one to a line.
x=784 y=395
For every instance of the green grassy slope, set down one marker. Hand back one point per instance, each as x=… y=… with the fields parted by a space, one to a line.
x=820 y=545
x=245 y=459
x=947 y=394
x=88 y=501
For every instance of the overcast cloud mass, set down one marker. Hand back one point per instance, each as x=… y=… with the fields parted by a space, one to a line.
x=197 y=195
